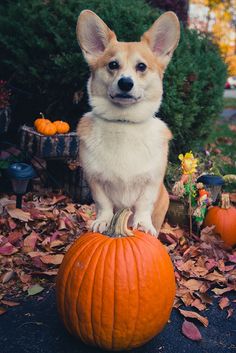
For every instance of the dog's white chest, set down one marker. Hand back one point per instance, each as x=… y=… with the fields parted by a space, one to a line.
x=125 y=151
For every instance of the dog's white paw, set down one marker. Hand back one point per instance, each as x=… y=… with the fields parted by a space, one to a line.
x=145 y=225
x=100 y=224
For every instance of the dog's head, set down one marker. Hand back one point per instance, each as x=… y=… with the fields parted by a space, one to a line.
x=126 y=77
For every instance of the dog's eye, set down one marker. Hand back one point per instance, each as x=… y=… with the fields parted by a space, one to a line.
x=113 y=65
x=141 y=67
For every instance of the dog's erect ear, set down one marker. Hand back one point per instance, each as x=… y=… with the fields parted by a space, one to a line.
x=163 y=36
x=93 y=35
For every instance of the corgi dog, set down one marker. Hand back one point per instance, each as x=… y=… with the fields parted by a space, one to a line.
x=123 y=146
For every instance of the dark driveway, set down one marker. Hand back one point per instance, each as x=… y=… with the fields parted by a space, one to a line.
x=34 y=327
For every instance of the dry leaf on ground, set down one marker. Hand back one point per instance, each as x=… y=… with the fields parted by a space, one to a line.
x=191 y=331
x=194 y=315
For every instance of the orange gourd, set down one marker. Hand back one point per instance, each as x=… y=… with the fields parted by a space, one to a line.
x=40 y=121
x=224 y=219
x=47 y=129
x=62 y=126
x=116 y=290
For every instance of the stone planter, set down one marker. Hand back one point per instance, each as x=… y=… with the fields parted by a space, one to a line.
x=5 y=119
x=56 y=150
x=59 y=146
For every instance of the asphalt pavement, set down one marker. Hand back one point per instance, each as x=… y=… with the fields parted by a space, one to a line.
x=34 y=327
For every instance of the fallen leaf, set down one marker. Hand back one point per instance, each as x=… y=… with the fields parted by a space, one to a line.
x=205 y=298
x=61 y=224
x=87 y=212
x=229 y=268
x=5 y=201
x=198 y=304
x=194 y=315
x=52 y=259
x=232 y=258
x=215 y=277
x=199 y=271
x=187 y=298
x=33 y=254
x=24 y=277
x=13 y=237
x=220 y=291
x=57 y=199
x=210 y=264
x=35 y=289
x=186 y=266
x=9 y=303
x=224 y=302
x=18 y=213
x=47 y=273
x=30 y=242
x=230 y=312
x=2 y=311
x=192 y=284
x=11 y=223
x=56 y=243
x=7 y=276
x=191 y=331
x=38 y=263
x=8 y=249
x=70 y=208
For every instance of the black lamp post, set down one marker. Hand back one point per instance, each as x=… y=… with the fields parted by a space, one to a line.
x=20 y=174
x=213 y=184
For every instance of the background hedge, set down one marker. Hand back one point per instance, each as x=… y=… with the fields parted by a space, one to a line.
x=40 y=57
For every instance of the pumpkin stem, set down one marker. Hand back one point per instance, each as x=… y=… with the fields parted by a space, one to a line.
x=119 y=224
x=225 y=201
x=42 y=115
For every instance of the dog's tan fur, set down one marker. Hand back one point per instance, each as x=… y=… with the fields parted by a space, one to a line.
x=123 y=148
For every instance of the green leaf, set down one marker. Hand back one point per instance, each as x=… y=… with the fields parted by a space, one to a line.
x=35 y=289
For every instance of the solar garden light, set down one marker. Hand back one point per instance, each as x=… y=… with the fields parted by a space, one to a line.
x=20 y=174
x=213 y=184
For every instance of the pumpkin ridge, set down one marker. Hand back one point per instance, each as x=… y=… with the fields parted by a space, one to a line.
x=132 y=243
x=114 y=298
x=76 y=245
x=99 y=248
x=137 y=277
x=161 y=265
x=91 y=254
x=69 y=280
x=102 y=297
x=121 y=327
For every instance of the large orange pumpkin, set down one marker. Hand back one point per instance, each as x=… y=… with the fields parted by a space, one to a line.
x=116 y=291
x=224 y=219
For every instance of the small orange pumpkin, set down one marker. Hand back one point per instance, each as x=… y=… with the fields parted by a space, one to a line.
x=40 y=121
x=224 y=219
x=47 y=129
x=62 y=127
x=116 y=290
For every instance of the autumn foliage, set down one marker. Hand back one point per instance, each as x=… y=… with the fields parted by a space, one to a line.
x=34 y=240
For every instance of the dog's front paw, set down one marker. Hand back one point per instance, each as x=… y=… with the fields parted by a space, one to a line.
x=100 y=224
x=145 y=225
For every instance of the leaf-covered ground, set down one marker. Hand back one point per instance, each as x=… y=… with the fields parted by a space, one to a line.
x=34 y=240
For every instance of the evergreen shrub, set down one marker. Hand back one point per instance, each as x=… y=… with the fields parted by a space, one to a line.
x=40 y=57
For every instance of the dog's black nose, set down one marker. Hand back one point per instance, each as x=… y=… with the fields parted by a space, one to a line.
x=125 y=84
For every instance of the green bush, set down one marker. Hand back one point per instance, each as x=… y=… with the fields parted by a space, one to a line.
x=40 y=55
